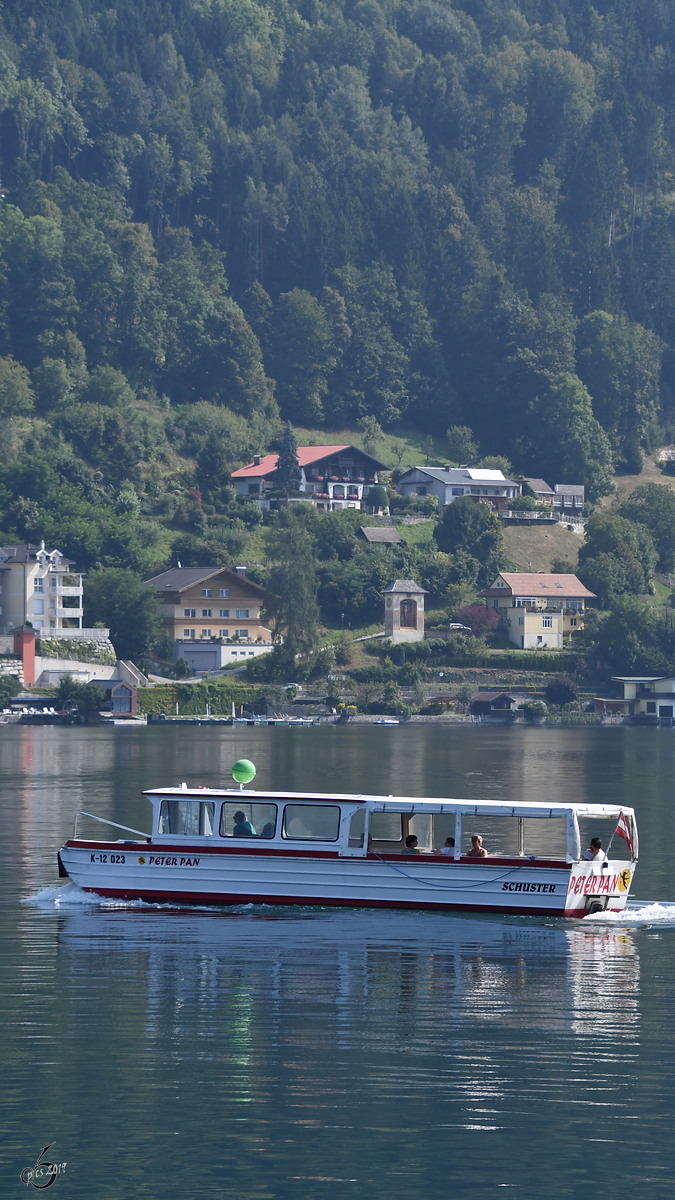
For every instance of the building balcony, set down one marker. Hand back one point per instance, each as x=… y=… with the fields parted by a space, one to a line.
x=59 y=590
x=67 y=612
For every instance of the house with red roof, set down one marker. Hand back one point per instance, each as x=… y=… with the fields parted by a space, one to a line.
x=332 y=477
x=538 y=608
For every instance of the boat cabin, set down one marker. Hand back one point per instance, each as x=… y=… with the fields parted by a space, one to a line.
x=356 y=826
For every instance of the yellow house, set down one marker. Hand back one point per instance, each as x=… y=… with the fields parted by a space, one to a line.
x=539 y=609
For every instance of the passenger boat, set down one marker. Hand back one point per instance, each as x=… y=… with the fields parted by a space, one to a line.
x=236 y=846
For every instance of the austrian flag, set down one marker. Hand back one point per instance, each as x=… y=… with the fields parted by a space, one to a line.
x=623 y=830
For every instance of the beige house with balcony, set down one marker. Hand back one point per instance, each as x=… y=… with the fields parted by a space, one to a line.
x=539 y=610
x=212 y=614
x=38 y=587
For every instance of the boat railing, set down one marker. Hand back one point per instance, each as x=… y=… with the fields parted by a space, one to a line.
x=106 y=821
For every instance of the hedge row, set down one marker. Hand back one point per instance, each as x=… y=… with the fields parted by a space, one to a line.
x=437 y=652
x=192 y=698
x=78 y=649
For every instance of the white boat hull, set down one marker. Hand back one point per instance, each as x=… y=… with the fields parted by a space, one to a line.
x=194 y=874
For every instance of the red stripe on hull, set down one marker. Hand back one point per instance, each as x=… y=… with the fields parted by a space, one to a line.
x=297 y=852
x=224 y=898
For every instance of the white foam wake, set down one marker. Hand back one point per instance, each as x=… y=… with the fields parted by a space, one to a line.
x=645 y=914
x=70 y=895
x=57 y=895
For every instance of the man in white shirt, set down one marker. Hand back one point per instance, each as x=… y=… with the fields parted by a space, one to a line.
x=595 y=851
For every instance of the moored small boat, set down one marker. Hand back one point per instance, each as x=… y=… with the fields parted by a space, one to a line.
x=233 y=846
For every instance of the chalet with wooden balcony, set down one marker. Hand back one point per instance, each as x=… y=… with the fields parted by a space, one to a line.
x=332 y=477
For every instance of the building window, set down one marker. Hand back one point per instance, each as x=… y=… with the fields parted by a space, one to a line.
x=38 y=585
x=547 y=622
x=186 y=633
x=521 y=620
x=495 y=603
x=242 y=613
x=224 y=593
x=189 y=612
x=223 y=633
x=253 y=489
x=573 y=621
x=207 y=592
x=207 y=612
x=52 y=624
x=458 y=491
x=539 y=639
x=39 y=624
x=241 y=633
x=53 y=581
x=421 y=491
x=500 y=583
x=205 y=633
x=224 y=612
x=651 y=706
x=38 y=606
x=408 y=614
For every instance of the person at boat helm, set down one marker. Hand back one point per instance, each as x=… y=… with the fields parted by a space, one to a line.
x=410 y=845
x=594 y=851
x=242 y=827
x=477 y=848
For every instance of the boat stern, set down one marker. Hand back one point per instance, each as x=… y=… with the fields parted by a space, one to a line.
x=598 y=887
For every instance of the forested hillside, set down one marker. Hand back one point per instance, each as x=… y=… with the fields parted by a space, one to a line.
x=217 y=212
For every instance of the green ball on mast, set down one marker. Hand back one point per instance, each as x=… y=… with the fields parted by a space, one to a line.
x=243 y=771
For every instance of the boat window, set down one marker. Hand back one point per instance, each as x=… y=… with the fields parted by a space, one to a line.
x=241 y=819
x=510 y=837
x=357 y=827
x=386 y=826
x=191 y=818
x=312 y=822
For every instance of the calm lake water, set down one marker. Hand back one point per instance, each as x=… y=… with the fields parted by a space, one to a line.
x=280 y=1053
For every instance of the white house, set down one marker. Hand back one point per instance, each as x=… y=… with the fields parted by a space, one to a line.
x=332 y=477
x=38 y=587
x=448 y=483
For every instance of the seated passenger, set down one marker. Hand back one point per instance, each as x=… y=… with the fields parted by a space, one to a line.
x=477 y=848
x=267 y=830
x=410 y=845
x=595 y=851
x=448 y=848
x=242 y=827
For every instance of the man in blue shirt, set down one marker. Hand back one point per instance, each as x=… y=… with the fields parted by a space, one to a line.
x=242 y=827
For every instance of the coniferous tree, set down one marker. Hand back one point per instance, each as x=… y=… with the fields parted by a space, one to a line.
x=292 y=586
x=288 y=476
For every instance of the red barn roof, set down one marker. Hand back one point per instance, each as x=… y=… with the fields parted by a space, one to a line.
x=306 y=456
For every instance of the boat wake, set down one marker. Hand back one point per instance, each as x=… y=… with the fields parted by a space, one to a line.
x=637 y=912
x=69 y=895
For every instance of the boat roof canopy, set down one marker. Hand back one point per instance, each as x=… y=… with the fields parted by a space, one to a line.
x=501 y=808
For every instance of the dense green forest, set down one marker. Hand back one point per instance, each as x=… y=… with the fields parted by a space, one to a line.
x=218 y=214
